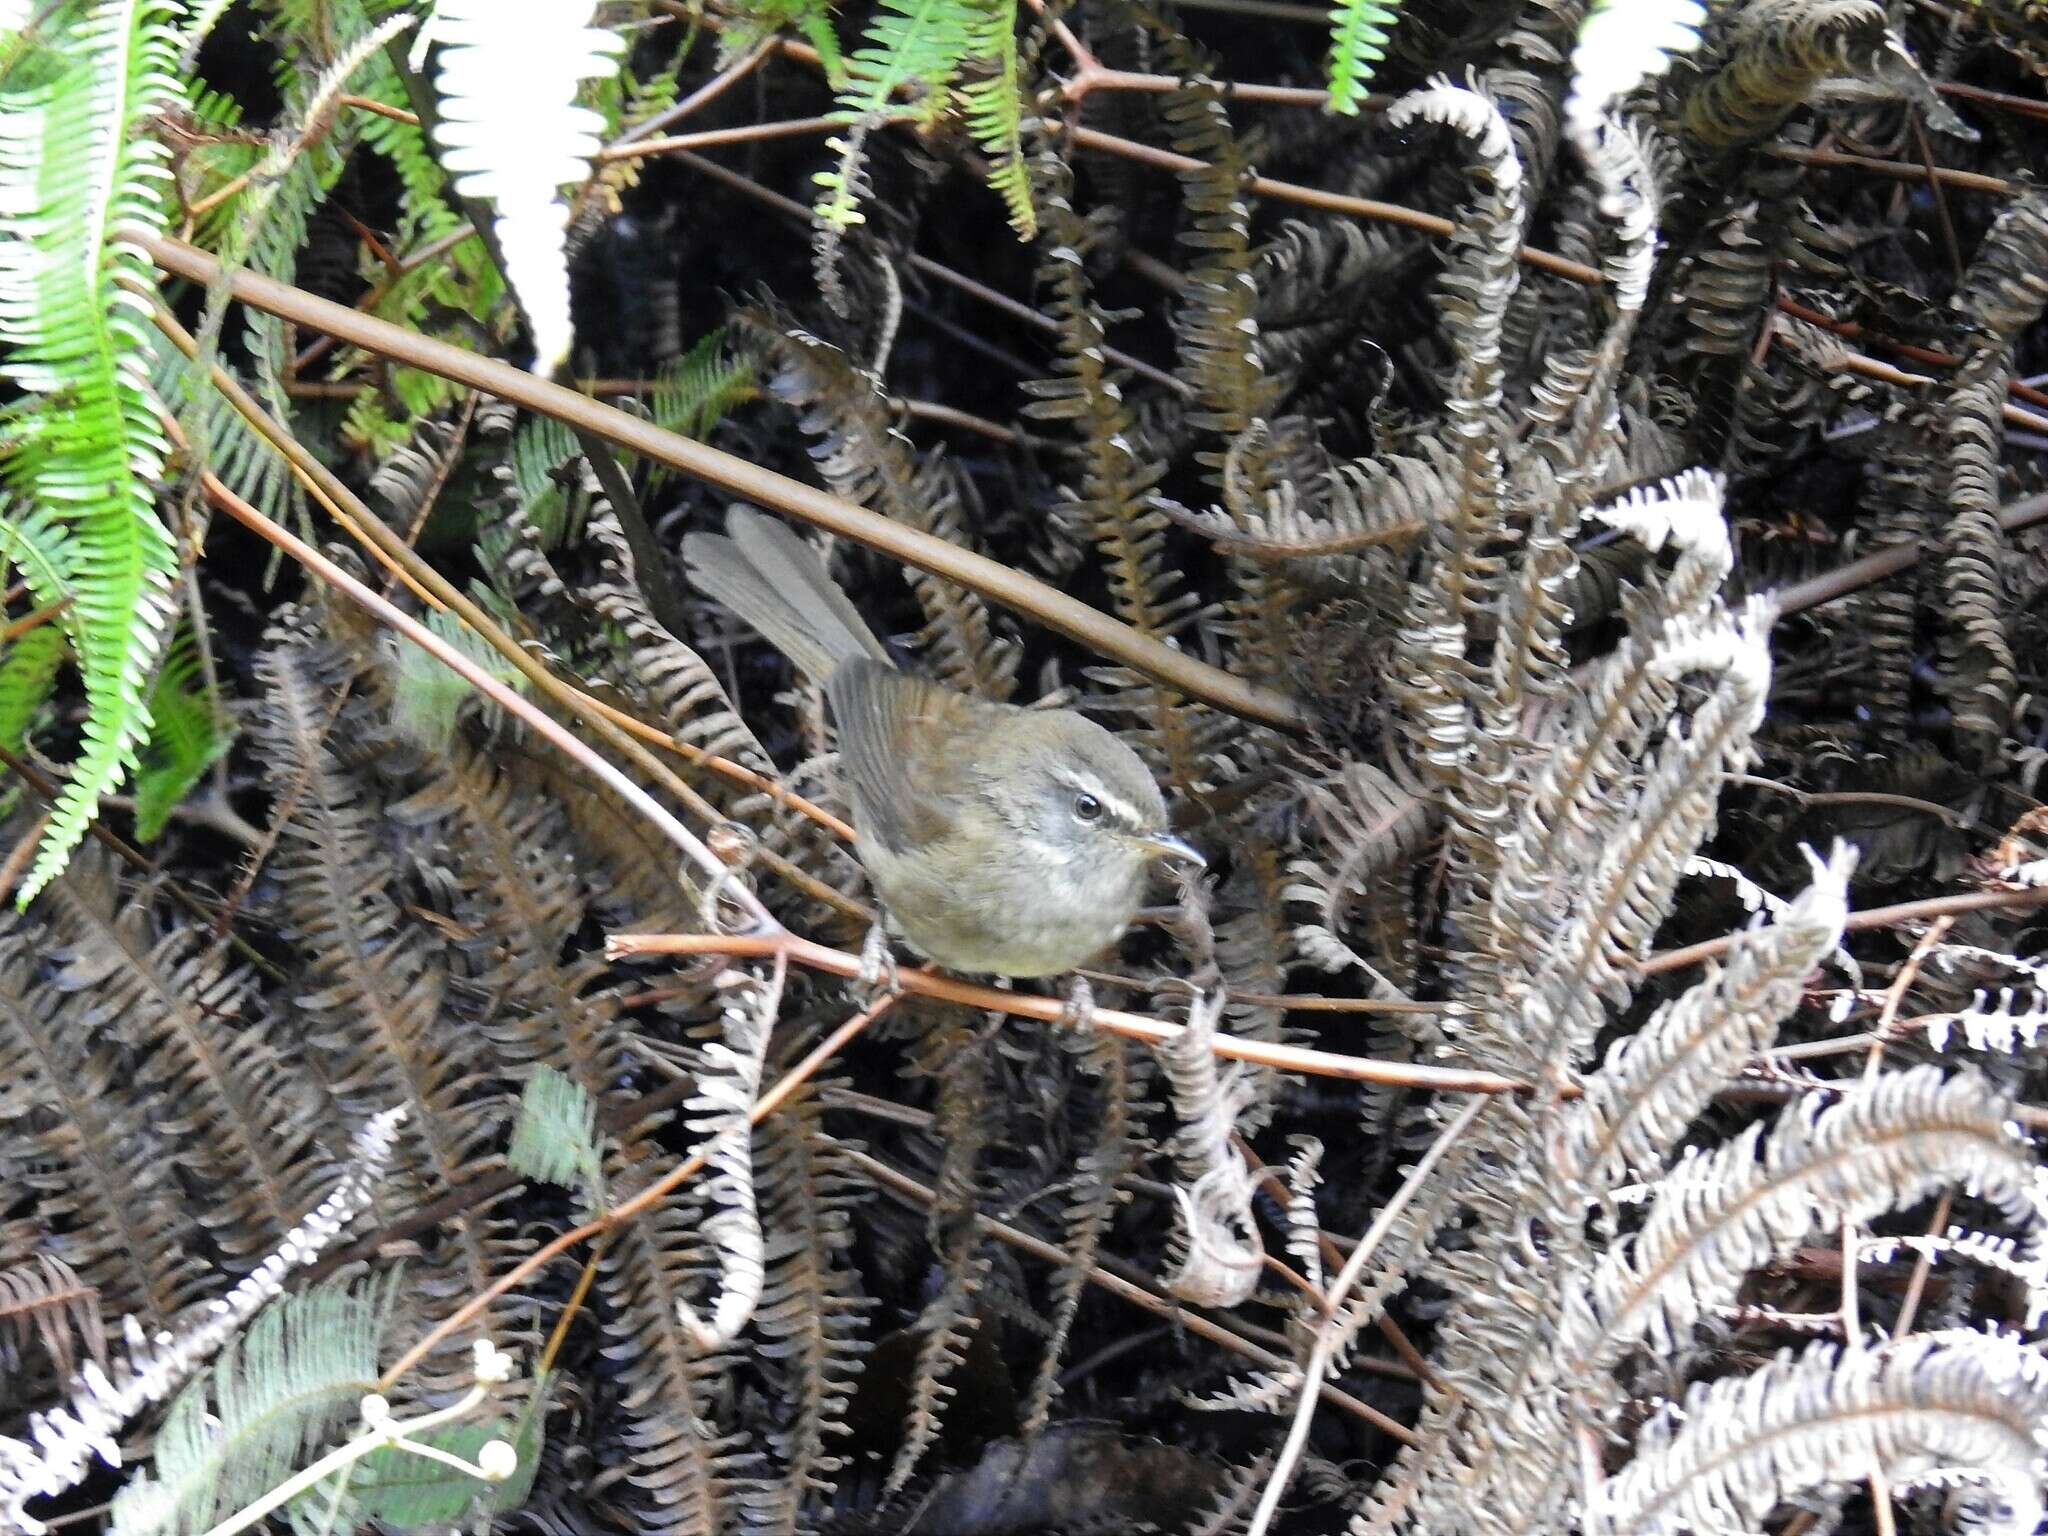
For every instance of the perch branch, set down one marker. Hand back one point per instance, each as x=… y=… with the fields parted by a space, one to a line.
x=1132 y=1026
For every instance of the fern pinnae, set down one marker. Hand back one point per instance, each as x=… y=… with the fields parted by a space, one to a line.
x=94 y=1173
x=1658 y=1080
x=1720 y=1215
x=1098 y=1180
x=992 y=104
x=274 y=1395
x=723 y=1103
x=1359 y=30
x=511 y=131
x=71 y=172
x=1937 y=1408
x=960 y=1061
x=223 y=1077
x=812 y=1311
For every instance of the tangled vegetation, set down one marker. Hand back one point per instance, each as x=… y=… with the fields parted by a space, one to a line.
x=1551 y=488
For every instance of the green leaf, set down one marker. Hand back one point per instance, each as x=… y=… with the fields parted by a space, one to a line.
x=555 y=1138
x=75 y=163
x=1358 y=41
x=188 y=735
x=275 y=1395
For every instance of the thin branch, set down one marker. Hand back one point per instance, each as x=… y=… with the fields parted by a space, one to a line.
x=1858 y=574
x=745 y=133
x=1967 y=181
x=1876 y=917
x=992 y=579
x=1132 y=1026
x=1328 y=1334
x=767 y=1104
x=703 y=96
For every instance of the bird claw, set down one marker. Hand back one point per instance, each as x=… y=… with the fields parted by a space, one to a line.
x=877 y=977
x=1078 y=1011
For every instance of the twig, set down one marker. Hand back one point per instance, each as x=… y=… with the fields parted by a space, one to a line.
x=1858 y=574
x=1875 y=917
x=1333 y=202
x=659 y=1190
x=1966 y=181
x=1132 y=1026
x=703 y=96
x=745 y=133
x=992 y=579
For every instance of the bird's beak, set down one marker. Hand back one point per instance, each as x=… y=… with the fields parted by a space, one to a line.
x=1168 y=847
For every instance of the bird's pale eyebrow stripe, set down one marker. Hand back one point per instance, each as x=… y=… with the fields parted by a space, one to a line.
x=1120 y=810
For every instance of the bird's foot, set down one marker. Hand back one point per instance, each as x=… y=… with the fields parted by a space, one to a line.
x=877 y=977
x=1078 y=1011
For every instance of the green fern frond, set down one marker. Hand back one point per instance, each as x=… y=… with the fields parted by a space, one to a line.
x=692 y=394
x=189 y=733
x=555 y=1138
x=914 y=48
x=993 y=107
x=72 y=167
x=1358 y=41
x=28 y=671
x=272 y=1398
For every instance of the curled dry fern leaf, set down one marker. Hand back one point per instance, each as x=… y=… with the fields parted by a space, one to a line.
x=71 y=170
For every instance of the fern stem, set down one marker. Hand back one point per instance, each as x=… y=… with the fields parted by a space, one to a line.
x=992 y=579
x=745 y=133
x=1873 y=917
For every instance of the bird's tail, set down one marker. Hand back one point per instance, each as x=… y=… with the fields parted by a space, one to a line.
x=776 y=582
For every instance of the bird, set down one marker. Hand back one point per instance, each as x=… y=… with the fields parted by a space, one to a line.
x=999 y=840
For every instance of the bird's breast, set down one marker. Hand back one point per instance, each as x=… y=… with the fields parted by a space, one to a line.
x=1002 y=914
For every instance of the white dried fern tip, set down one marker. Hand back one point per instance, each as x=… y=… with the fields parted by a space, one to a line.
x=1622 y=44
x=514 y=135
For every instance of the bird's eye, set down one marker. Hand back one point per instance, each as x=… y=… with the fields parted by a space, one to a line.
x=1087 y=807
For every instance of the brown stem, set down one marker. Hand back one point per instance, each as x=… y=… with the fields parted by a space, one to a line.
x=1071 y=617
x=1132 y=1026
x=1877 y=917
x=1858 y=574
x=1966 y=181
x=745 y=133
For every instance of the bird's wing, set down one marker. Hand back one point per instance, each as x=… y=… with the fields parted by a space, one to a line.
x=905 y=750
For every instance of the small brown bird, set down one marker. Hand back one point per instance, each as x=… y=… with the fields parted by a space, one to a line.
x=999 y=839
